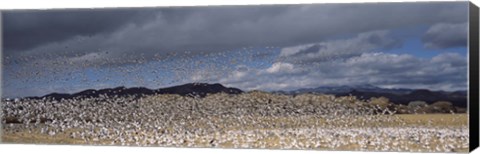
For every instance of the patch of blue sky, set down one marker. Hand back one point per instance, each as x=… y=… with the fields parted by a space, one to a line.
x=414 y=47
x=412 y=43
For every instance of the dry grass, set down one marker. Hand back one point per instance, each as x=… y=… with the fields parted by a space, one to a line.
x=435 y=119
x=36 y=137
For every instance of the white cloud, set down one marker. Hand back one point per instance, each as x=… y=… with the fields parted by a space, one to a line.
x=382 y=69
x=280 y=67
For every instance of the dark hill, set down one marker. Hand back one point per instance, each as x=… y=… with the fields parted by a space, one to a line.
x=200 y=89
x=190 y=89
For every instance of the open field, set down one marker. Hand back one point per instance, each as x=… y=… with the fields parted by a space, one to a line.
x=253 y=120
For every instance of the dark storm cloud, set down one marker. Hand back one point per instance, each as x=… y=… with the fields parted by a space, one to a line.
x=310 y=50
x=25 y=30
x=208 y=29
x=339 y=49
x=443 y=35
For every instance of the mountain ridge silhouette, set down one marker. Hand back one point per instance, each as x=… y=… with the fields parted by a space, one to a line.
x=397 y=96
x=189 y=89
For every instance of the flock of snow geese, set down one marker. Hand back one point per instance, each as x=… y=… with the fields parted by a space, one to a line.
x=249 y=120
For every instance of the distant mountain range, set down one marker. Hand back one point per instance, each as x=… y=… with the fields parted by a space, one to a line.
x=397 y=96
x=191 y=89
x=346 y=89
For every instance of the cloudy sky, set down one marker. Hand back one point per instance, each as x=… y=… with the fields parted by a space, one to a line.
x=263 y=47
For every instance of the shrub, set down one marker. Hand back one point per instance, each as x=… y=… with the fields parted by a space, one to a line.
x=381 y=102
x=401 y=109
x=413 y=104
x=443 y=107
x=461 y=110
